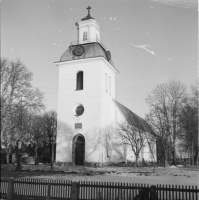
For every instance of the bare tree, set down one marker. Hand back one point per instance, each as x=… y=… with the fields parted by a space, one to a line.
x=50 y=124
x=17 y=94
x=195 y=104
x=6 y=142
x=18 y=131
x=189 y=124
x=133 y=135
x=166 y=102
x=16 y=89
x=43 y=132
x=38 y=137
x=195 y=94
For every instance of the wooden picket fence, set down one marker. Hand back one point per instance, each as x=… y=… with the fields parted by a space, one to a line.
x=27 y=188
x=37 y=189
x=128 y=191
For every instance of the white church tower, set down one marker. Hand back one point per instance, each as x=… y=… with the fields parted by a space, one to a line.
x=85 y=93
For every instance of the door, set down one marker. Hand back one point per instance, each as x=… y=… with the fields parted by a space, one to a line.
x=79 y=150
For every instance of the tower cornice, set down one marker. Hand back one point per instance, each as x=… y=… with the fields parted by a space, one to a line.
x=58 y=63
x=91 y=22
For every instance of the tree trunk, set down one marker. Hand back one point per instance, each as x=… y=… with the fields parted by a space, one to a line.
x=174 y=156
x=188 y=155
x=165 y=158
x=50 y=148
x=197 y=158
x=36 y=155
x=8 y=152
x=7 y=155
x=52 y=154
x=136 y=161
x=192 y=154
x=181 y=155
x=18 y=157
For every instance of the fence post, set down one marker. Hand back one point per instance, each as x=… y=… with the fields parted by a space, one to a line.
x=153 y=193
x=75 y=191
x=48 y=192
x=10 y=191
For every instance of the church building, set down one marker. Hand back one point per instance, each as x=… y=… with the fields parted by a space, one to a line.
x=86 y=102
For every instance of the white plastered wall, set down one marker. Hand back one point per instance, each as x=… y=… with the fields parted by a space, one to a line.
x=92 y=27
x=95 y=102
x=148 y=153
x=81 y=31
x=115 y=152
x=93 y=32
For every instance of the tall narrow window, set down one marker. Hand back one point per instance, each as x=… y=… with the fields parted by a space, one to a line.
x=84 y=36
x=106 y=83
x=109 y=85
x=79 y=83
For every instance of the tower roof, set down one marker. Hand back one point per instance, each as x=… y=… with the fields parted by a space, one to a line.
x=91 y=50
x=88 y=15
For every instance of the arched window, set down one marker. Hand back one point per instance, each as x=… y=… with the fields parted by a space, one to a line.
x=84 y=36
x=79 y=83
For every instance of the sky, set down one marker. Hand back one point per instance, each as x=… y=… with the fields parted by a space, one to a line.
x=151 y=42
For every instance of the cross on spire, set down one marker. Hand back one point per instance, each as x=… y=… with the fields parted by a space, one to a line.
x=88 y=15
x=88 y=10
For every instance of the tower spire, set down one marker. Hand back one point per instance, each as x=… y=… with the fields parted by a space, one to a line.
x=88 y=15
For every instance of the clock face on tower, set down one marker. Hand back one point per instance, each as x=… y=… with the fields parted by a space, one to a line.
x=78 y=51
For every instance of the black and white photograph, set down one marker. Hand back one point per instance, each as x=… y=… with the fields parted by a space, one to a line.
x=99 y=100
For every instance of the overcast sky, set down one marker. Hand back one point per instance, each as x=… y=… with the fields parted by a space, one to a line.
x=151 y=41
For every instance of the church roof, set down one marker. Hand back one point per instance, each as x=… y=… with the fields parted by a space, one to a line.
x=132 y=118
x=91 y=50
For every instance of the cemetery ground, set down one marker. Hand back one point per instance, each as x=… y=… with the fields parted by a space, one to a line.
x=173 y=175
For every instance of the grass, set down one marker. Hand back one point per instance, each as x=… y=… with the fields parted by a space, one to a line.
x=114 y=173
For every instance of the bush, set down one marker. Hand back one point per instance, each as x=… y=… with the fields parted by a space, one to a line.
x=46 y=156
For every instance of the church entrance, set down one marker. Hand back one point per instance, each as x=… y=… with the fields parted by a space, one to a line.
x=78 y=149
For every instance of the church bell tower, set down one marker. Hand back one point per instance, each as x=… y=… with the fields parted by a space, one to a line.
x=88 y=29
x=85 y=91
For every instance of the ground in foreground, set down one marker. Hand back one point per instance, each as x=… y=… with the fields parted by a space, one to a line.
x=171 y=175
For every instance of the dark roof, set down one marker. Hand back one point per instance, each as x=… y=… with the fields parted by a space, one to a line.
x=91 y=50
x=132 y=118
x=87 y=17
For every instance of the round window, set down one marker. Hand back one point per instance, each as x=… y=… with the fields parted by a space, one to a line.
x=78 y=110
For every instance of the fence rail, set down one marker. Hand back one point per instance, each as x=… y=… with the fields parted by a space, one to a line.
x=29 y=188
